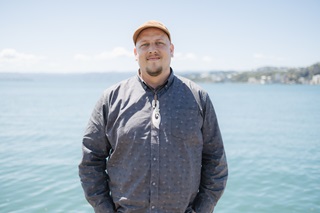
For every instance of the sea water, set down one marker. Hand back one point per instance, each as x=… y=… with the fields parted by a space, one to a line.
x=271 y=135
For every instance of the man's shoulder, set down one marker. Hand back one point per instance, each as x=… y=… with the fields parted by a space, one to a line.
x=123 y=84
x=190 y=84
x=200 y=95
x=119 y=88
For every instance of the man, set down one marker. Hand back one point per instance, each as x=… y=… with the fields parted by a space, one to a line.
x=153 y=142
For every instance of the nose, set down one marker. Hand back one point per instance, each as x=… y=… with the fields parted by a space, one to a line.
x=152 y=48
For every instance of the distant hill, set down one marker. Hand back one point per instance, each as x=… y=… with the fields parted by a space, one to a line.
x=263 y=75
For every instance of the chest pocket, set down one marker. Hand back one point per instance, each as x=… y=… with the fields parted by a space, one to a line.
x=186 y=124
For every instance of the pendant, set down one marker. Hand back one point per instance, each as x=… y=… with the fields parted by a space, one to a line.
x=156 y=117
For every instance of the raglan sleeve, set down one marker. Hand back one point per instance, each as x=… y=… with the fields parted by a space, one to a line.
x=92 y=168
x=214 y=170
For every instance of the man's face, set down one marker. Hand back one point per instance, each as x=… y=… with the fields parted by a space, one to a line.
x=153 y=51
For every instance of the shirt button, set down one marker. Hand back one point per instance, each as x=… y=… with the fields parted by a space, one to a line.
x=152 y=207
x=154 y=183
x=154 y=159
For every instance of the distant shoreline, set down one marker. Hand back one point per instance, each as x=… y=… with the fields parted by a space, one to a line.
x=265 y=75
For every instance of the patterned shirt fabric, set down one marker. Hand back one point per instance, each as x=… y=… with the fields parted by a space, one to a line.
x=131 y=163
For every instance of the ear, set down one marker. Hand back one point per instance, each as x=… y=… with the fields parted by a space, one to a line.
x=172 y=50
x=135 y=53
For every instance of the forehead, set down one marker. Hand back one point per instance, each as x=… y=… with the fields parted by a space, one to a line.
x=152 y=33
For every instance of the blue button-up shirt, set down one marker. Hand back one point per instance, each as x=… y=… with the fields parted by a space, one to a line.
x=131 y=164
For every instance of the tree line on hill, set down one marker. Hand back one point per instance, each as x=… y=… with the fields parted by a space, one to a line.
x=264 y=75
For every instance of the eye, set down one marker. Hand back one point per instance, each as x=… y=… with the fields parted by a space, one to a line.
x=144 y=45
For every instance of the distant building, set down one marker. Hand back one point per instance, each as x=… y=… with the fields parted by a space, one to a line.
x=252 y=80
x=265 y=79
x=315 y=79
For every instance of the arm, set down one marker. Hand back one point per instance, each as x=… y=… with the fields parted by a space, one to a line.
x=214 y=171
x=92 y=168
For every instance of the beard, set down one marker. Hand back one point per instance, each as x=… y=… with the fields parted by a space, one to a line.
x=154 y=72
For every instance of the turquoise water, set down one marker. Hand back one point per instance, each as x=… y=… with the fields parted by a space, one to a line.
x=271 y=135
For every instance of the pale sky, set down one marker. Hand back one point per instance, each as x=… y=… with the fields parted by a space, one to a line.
x=68 y=36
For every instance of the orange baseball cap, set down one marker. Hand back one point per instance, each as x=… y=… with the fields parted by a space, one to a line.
x=150 y=24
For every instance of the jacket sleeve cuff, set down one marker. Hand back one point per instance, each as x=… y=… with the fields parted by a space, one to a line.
x=105 y=207
x=203 y=204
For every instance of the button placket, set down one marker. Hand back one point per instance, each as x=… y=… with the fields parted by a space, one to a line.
x=154 y=168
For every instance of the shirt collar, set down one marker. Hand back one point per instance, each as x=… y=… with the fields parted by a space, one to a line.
x=167 y=84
